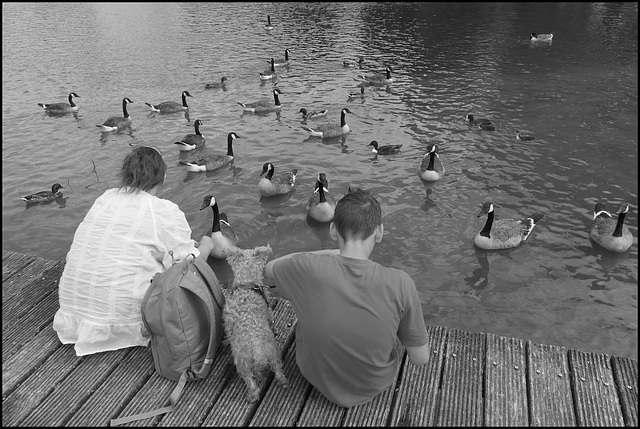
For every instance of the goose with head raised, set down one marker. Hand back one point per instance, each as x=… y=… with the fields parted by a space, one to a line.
x=60 y=108
x=276 y=184
x=171 y=106
x=503 y=233
x=223 y=235
x=431 y=167
x=331 y=130
x=609 y=234
x=115 y=123
x=283 y=62
x=321 y=206
x=379 y=80
x=268 y=26
x=44 y=196
x=212 y=162
x=388 y=149
x=269 y=73
x=265 y=105
x=192 y=141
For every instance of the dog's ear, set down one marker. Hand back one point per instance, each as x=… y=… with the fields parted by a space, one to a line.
x=234 y=255
x=263 y=252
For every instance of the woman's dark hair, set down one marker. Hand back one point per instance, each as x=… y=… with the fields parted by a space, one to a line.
x=357 y=215
x=142 y=169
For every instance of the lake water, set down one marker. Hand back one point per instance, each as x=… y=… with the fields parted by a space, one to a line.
x=577 y=95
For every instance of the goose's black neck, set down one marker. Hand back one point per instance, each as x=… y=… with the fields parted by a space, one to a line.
x=230 y=145
x=619 y=224
x=276 y=99
x=216 y=218
x=124 y=108
x=71 y=103
x=197 y=125
x=184 y=100
x=388 y=74
x=323 y=198
x=286 y=55
x=270 y=171
x=432 y=158
x=487 y=226
x=343 y=118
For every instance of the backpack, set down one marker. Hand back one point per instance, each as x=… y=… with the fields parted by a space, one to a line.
x=182 y=310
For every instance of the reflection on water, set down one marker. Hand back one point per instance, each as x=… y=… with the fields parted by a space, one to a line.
x=577 y=95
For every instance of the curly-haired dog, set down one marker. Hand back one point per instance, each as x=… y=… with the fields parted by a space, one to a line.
x=248 y=320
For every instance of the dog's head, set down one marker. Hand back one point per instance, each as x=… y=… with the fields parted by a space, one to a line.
x=248 y=264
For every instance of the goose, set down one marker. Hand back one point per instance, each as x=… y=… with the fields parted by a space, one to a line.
x=276 y=184
x=331 y=130
x=283 y=62
x=314 y=114
x=322 y=205
x=192 y=141
x=223 y=236
x=524 y=137
x=270 y=73
x=116 y=122
x=480 y=121
x=212 y=161
x=379 y=79
x=61 y=107
x=171 y=106
x=535 y=37
x=44 y=196
x=389 y=149
x=353 y=63
x=612 y=235
x=268 y=26
x=431 y=167
x=503 y=233
x=354 y=95
x=215 y=85
x=263 y=106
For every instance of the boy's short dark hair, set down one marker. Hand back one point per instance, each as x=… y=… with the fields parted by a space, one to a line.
x=357 y=215
x=142 y=169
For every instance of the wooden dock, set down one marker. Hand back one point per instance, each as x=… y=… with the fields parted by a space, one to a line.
x=472 y=379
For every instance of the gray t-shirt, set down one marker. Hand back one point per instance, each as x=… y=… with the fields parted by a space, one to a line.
x=350 y=314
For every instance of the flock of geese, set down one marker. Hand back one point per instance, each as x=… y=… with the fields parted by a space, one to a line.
x=607 y=232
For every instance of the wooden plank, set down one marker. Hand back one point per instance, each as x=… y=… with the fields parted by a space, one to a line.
x=319 y=411
x=417 y=395
x=67 y=397
x=121 y=385
x=550 y=399
x=294 y=397
x=198 y=397
x=595 y=396
x=34 y=283
x=625 y=372
x=152 y=395
x=19 y=366
x=505 y=382
x=461 y=402
x=232 y=408
x=13 y=263
x=28 y=395
x=25 y=328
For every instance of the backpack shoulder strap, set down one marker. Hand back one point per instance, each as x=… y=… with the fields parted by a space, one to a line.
x=215 y=317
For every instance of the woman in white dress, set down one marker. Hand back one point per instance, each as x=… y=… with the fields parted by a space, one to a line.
x=127 y=236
